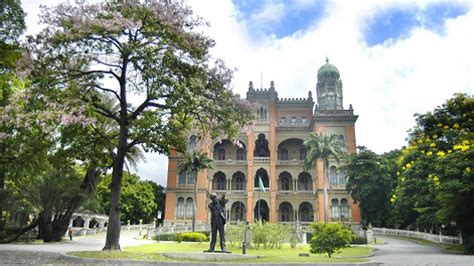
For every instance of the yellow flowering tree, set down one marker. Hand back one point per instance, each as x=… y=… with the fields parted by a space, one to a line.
x=436 y=185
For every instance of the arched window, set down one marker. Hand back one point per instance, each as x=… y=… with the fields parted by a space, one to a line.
x=261 y=175
x=303 y=154
x=237 y=211
x=285 y=214
x=180 y=209
x=344 y=210
x=335 y=209
x=342 y=177
x=238 y=181
x=239 y=154
x=218 y=182
x=221 y=154
x=191 y=177
x=182 y=179
x=78 y=222
x=284 y=154
x=304 y=182
x=305 y=212
x=189 y=208
x=285 y=183
x=332 y=175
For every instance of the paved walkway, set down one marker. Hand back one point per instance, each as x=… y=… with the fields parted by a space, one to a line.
x=49 y=253
x=404 y=252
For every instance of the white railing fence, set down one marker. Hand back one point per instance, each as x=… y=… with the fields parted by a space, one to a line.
x=419 y=235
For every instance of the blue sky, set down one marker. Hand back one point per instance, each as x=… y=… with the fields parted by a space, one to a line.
x=396 y=57
x=396 y=23
x=288 y=16
x=281 y=18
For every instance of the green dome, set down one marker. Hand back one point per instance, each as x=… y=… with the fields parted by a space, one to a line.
x=328 y=71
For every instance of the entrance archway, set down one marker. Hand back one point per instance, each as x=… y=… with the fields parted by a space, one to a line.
x=285 y=212
x=261 y=207
x=237 y=212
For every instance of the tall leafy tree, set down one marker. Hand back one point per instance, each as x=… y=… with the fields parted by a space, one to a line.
x=437 y=176
x=138 y=198
x=141 y=50
x=160 y=198
x=12 y=25
x=323 y=147
x=194 y=162
x=371 y=180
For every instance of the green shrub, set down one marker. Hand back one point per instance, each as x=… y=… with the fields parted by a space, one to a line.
x=191 y=237
x=359 y=241
x=166 y=237
x=292 y=235
x=235 y=234
x=260 y=234
x=330 y=238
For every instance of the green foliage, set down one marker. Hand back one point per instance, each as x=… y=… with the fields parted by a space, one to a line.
x=359 y=241
x=191 y=237
x=371 y=179
x=235 y=234
x=194 y=162
x=12 y=25
x=138 y=198
x=115 y=49
x=330 y=238
x=273 y=235
x=321 y=147
x=436 y=184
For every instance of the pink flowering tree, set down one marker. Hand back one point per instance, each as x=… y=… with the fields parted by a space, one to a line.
x=42 y=143
x=150 y=58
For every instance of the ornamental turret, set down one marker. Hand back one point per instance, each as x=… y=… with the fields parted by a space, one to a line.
x=329 y=88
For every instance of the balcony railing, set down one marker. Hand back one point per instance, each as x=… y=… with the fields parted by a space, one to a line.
x=261 y=159
x=230 y=162
x=290 y=162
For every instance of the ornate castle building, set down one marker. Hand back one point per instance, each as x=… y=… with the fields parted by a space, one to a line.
x=272 y=151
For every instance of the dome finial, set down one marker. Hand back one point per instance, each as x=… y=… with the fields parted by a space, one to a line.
x=327 y=60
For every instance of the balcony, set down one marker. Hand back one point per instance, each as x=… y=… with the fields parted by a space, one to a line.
x=230 y=162
x=290 y=162
x=261 y=159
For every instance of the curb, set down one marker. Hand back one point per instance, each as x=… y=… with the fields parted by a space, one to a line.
x=78 y=260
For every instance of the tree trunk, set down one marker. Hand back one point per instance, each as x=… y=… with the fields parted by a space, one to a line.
x=2 y=198
x=112 y=241
x=113 y=228
x=195 y=204
x=325 y=189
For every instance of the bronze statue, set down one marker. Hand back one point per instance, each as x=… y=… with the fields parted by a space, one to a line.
x=218 y=220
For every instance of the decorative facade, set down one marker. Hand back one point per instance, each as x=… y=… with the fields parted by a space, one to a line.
x=272 y=151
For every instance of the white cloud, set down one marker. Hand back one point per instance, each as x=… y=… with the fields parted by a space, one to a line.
x=271 y=12
x=386 y=83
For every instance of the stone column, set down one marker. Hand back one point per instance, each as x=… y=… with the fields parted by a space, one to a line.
x=87 y=222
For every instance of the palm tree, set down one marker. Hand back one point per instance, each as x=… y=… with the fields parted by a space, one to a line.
x=322 y=147
x=194 y=162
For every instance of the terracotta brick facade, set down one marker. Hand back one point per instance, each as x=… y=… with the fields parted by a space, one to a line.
x=273 y=150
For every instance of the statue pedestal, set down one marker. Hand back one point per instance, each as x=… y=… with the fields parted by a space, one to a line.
x=209 y=256
x=217 y=251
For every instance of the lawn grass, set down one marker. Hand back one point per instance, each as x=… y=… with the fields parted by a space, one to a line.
x=150 y=252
